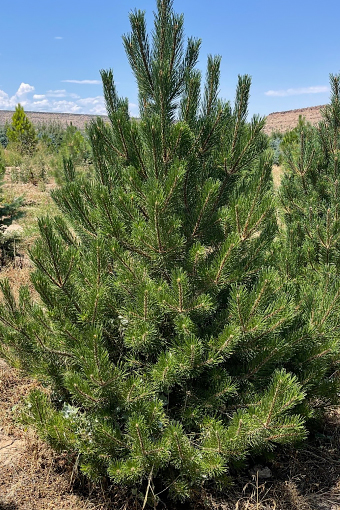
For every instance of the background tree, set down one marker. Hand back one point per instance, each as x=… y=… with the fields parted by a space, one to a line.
x=310 y=190
x=173 y=344
x=21 y=132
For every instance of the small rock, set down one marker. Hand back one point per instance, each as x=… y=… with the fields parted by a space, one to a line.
x=262 y=472
x=14 y=228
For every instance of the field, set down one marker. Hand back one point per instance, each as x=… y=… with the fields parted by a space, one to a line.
x=33 y=477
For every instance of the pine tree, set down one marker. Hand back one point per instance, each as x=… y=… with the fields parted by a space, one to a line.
x=308 y=250
x=21 y=132
x=170 y=340
x=310 y=189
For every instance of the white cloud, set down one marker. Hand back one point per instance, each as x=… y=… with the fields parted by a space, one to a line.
x=96 y=105
x=83 y=82
x=24 y=88
x=65 y=107
x=52 y=101
x=58 y=37
x=61 y=93
x=56 y=93
x=133 y=110
x=40 y=104
x=9 y=102
x=297 y=92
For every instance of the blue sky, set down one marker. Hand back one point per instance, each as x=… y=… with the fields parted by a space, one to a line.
x=51 y=51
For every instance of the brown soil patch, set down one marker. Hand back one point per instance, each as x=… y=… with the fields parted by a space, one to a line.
x=32 y=476
x=277 y=175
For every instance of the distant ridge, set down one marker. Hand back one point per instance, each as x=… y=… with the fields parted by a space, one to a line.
x=284 y=121
x=277 y=121
x=77 y=119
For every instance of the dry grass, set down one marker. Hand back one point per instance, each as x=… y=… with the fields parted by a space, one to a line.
x=277 y=176
x=37 y=202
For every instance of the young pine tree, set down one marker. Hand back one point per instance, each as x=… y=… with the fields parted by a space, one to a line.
x=21 y=132
x=309 y=247
x=310 y=190
x=168 y=337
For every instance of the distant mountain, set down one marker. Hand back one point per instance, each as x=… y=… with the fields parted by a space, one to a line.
x=278 y=121
x=284 y=121
x=78 y=120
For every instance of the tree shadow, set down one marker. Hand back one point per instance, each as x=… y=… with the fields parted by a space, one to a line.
x=8 y=506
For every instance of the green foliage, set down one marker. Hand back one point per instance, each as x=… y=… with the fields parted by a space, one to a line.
x=51 y=136
x=275 y=145
x=3 y=137
x=174 y=341
x=310 y=191
x=35 y=169
x=75 y=145
x=2 y=164
x=291 y=138
x=21 y=132
x=54 y=144
x=12 y=157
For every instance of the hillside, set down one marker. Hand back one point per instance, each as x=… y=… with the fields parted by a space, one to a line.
x=284 y=121
x=278 y=121
x=77 y=119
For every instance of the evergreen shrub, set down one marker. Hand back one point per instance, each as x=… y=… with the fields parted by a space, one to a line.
x=3 y=137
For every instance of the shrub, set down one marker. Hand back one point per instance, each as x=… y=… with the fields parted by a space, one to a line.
x=275 y=143
x=51 y=136
x=2 y=164
x=76 y=146
x=32 y=169
x=3 y=137
x=12 y=158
